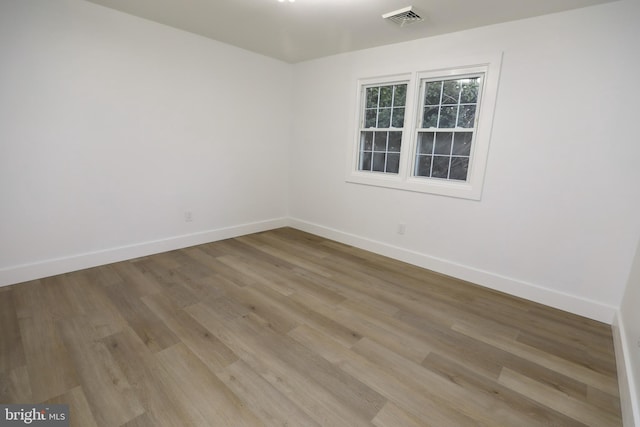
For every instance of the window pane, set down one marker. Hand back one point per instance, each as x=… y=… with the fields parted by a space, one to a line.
x=384 y=108
x=443 y=143
x=386 y=95
x=462 y=143
x=400 y=96
x=393 y=163
x=395 y=141
x=366 y=141
x=448 y=104
x=378 y=162
x=370 y=118
x=469 y=91
x=425 y=142
x=384 y=118
x=432 y=93
x=459 y=168
x=467 y=116
x=380 y=142
x=423 y=166
x=365 y=161
x=440 y=167
x=430 y=119
x=372 y=97
x=398 y=117
x=451 y=92
x=447 y=117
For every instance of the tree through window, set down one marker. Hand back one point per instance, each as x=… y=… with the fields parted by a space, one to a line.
x=381 y=130
x=446 y=129
x=427 y=131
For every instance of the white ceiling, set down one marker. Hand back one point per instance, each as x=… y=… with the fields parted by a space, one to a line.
x=308 y=29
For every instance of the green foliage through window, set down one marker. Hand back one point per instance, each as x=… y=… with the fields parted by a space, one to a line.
x=381 y=136
x=446 y=130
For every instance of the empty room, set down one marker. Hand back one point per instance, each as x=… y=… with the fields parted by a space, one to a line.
x=319 y=213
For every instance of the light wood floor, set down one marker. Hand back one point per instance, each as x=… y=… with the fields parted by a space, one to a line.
x=283 y=328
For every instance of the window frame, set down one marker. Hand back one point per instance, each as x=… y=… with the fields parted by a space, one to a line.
x=363 y=84
x=375 y=131
x=423 y=80
x=486 y=65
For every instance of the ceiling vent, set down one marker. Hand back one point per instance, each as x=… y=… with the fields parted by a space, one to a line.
x=403 y=16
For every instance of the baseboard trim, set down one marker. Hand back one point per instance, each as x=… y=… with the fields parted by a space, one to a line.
x=628 y=393
x=37 y=270
x=571 y=303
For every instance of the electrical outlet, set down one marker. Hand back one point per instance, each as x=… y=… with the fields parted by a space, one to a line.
x=402 y=228
x=188 y=216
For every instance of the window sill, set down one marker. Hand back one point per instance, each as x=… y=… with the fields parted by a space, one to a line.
x=461 y=190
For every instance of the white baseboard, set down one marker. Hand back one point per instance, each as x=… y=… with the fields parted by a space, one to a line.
x=25 y=272
x=571 y=303
x=628 y=393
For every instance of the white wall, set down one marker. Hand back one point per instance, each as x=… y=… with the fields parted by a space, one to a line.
x=628 y=348
x=560 y=207
x=111 y=127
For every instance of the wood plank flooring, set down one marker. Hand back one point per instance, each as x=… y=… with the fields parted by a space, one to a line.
x=284 y=328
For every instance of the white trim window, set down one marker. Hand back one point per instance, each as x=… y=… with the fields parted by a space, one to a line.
x=426 y=131
x=446 y=127
x=382 y=123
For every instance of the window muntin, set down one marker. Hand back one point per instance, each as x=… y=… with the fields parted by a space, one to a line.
x=444 y=141
x=382 y=121
x=447 y=126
